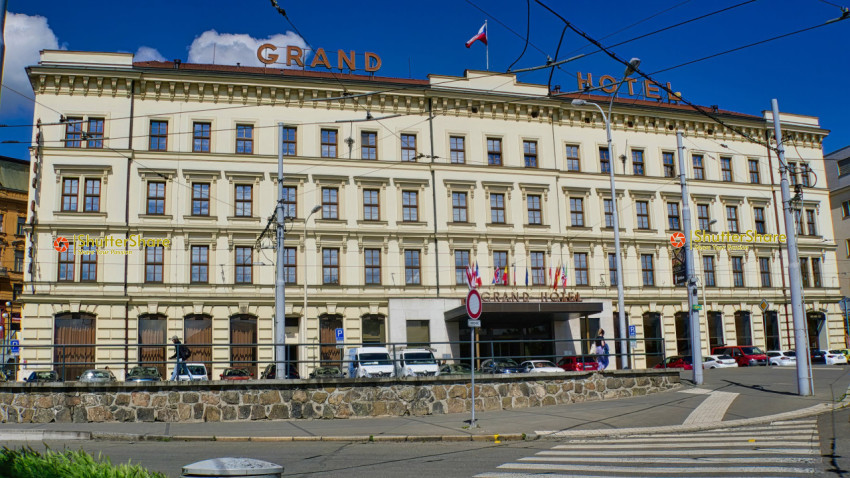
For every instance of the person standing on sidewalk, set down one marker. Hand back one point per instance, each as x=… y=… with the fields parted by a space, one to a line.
x=181 y=353
x=601 y=350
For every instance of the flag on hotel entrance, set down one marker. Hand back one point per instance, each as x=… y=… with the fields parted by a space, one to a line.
x=481 y=35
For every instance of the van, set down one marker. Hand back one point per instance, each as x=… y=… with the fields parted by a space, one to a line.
x=419 y=362
x=370 y=362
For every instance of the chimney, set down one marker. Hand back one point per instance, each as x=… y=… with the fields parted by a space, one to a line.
x=177 y=63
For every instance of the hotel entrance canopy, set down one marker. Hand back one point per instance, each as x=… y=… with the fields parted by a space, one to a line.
x=577 y=309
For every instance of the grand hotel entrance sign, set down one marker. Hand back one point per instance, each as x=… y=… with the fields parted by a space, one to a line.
x=295 y=54
x=517 y=296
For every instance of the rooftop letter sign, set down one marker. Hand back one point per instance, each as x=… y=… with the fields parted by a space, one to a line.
x=295 y=54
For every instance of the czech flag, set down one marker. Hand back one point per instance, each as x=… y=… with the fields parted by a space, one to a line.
x=481 y=35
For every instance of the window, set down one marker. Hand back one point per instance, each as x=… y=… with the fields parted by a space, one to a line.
x=19 y=261
x=673 y=216
x=647 y=269
x=408 y=147
x=457 y=151
x=764 y=271
x=538 y=268
x=529 y=151
x=371 y=205
x=608 y=210
x=804 y=271
x=637 y=162
x=577 y=212
x=411 y=267
x=66 y=263
x=804 y=175
x=497 y=208
x=461 y=262
x=708 y=271
x=73 y=132
x=91 y=196
x=494 y=151
x=535 y=213
x=816 y=272
x=244 y=195
x=289 y=141
x=755 y=177
x=792 y=173
x=845 y=209
x=70 y=187
x=244 y=265
x=459 y=207
x=738 y=271
x=88 y=263
x=372 y=258
x=847 y=246
x=22 y=224
x=374 y=330
x=604 y=160
x=158 y=140
x=154 y=263
x=418 y=333
x=726 y=169
x=289 y=201
x=573 y=163
x=612 y=269
x=703 y=217
x=732 y=218
x=245 y=139
x=758 y=216
x=811 y=222
x=17 y=291
x=409 y=206
x=500 y=262
x=330 y=266
x=330 y=203
x=329 y=143
x=368 y=145
x=699 y=169
x=669 y=166
x=580 y=262
x=200 y=263
x=200 y=199
x=94 y=133
x=201 y=137
x=289 y=265
x=642 y=208
x=156 y=198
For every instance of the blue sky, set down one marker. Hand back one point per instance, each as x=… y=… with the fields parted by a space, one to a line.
x=419 y=38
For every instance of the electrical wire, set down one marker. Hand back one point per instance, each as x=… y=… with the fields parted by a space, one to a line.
x=527 y=33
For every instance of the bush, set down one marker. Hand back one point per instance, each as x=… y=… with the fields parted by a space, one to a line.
x=28 y=463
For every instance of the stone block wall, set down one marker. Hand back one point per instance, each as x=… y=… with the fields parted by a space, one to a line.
x=330 y=398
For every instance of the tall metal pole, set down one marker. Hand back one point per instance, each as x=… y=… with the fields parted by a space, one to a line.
x=472 y=331
x=621 y=307
x=804 y=379
x=2 y=33
x=693 y=316
x=281 y=370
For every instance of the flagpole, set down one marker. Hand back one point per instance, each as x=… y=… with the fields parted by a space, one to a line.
x=487 y=44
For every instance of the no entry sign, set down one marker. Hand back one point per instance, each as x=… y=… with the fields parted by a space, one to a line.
x=473 y=304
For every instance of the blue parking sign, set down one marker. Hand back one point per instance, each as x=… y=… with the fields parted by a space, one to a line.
x=15 y=344
x=340 y=335
x=632 y=331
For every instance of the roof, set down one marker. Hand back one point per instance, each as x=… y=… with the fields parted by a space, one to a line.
x=657 y=104
x=14 y=174
x=839 y=153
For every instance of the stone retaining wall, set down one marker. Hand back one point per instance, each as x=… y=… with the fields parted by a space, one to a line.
x=328 y=398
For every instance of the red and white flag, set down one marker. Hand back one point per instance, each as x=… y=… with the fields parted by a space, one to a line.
x=481 y=35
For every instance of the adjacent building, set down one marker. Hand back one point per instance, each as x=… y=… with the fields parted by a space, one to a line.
x=156 y=181
x=838 y=181
x=14 y=186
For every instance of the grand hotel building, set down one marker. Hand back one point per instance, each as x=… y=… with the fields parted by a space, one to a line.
x=411 y=181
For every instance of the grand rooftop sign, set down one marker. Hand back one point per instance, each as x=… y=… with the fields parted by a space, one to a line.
x=295 y=54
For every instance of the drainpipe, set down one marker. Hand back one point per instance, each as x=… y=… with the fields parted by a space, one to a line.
x=127 y=230
x=788 y=332
x=434 y=195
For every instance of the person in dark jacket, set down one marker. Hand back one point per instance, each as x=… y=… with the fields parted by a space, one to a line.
x=601 y=350
x=181 y=353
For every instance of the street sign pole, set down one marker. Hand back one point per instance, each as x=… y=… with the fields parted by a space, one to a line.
x=845 y=307
x=473 y=310
x=693 y=316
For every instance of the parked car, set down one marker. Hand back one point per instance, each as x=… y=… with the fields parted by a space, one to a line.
x=578 y=363
x=269 y=372
x=781 y=359
x=370 y=362
x=415 y=362
x=456 y=369
x=197 y=372
x=677 y=361
x=824 y=357
x=234 y=373
x=326 y=372
x=43 y=376
x=540 y=366
x=843 y=352
x=718 y=361
x=501 y=365
x=97 y=376
x=143 y=374
x=745 y=355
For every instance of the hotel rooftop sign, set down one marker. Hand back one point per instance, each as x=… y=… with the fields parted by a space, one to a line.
x=295 y=54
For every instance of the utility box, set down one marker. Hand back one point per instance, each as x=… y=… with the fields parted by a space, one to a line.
x=227 y=467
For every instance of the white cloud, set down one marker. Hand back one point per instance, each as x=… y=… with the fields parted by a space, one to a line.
x=232 y=48
x=146 y=53
x=25 y=37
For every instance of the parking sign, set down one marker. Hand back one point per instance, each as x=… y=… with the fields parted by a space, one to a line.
x=15 y=344
x=340 y=336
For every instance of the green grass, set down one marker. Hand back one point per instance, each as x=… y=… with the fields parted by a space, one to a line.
x=28 y=463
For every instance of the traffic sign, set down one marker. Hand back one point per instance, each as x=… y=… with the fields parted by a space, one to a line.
x=474 y=306
x=697 y=307
x=632 y=331
x=340 y=335
x=16 y=346
x=845 y=304
x=473 y=323
x=763 y=305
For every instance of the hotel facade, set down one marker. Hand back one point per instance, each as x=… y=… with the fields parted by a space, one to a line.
x=161 y=178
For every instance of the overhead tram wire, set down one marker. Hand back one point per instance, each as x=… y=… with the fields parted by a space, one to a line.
x=527 y=34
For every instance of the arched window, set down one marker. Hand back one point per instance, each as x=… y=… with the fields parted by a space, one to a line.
x=152 y=340
x=197 y=334
x=243 y=342
x=816 y=321
x=683 y=333
x=715 y=329
x=329 y=354
x=743 y=329
x=653 y=338
x=373 y=329
x=73 y=334
x=771 y=330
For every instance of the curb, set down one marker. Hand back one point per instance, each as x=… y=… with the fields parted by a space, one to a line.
x=495 y=438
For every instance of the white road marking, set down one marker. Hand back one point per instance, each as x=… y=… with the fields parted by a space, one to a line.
x=667 y=470
x=712 y=409
x=689 y=461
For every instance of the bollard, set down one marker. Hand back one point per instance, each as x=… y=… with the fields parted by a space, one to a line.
x=229 y=466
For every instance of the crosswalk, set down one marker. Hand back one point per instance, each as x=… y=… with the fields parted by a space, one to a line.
x=779 y=449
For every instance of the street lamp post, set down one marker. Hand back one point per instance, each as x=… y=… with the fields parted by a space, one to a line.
x=315 y=209
x=624 y=356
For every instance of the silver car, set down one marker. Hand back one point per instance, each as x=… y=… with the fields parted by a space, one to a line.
x=97 y=376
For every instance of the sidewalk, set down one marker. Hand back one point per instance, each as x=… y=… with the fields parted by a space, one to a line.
x=762 y=395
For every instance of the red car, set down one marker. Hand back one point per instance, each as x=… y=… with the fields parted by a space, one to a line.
x=677 y=361
x=578 y=363
x=233 y=373
x=745 y=355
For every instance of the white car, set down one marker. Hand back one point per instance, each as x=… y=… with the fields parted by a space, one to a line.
x=718 y=361
x=782 y=359
x=197 y=371
x=833 y=358
x=540 y=366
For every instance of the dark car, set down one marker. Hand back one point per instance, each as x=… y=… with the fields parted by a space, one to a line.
x=501 y=365
x=326 y=372
x=578 y=363
x=677 y=361
x=269 y=372
x=455 y=369
x=43 y=376
x=234 y=373
x=143 y=374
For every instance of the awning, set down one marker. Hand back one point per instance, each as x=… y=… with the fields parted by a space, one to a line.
x=581 y=308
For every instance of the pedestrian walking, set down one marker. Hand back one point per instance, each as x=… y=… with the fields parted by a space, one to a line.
x=601 y=350
x=181 y=353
